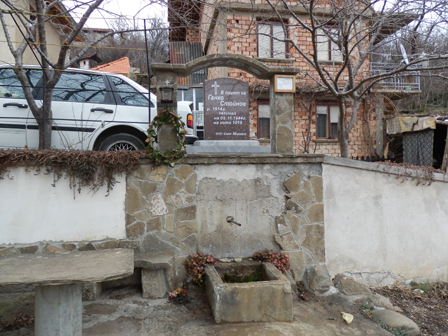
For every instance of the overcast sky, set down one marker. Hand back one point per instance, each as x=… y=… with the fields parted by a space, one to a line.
x=128 y=8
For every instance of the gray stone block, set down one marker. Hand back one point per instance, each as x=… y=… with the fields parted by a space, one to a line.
x=153 y=283
x=350 y=286
x=228 y=146
x=158 y=260
x=317 y=279
x=91 y=291
x=58 y=310
x=258 y=301
x=395 y=320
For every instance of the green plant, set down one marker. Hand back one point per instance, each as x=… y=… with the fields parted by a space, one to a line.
x=195 y=266
x=394 y=331
x=426 y=288
x=169 y=157
x=367 y=311
x=229 y=278
x=281 y=261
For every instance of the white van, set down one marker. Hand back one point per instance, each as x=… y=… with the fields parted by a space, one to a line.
x=91 y=110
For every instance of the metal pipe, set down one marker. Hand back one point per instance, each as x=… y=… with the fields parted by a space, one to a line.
x=229 y=219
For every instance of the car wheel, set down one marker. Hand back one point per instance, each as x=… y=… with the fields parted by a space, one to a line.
x=121 y=142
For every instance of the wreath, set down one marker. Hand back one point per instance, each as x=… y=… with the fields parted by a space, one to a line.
x=169 y=157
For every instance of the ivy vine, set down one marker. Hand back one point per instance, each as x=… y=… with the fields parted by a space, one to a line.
x=168 y=158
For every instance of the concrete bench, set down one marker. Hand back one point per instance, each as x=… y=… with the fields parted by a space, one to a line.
x=154 y=266
x=58 y=278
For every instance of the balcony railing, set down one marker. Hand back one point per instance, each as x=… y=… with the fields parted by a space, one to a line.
x=405 y=81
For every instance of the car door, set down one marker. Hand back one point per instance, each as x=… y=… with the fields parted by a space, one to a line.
x=14 y=111
x=82 y=104
x=132 y=103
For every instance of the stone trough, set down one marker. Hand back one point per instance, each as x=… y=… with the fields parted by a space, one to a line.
x=259 y=301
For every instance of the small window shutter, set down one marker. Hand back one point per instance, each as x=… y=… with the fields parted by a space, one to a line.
x=279 y=49
x=334 y=114
x=264 y=111
x=322 y=45
x=264 y=41
x=321 y=121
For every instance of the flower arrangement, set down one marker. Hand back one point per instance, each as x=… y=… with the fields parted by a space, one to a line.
x=281 y=261
x=169 y=157
x=195 y=266
x=179 y=296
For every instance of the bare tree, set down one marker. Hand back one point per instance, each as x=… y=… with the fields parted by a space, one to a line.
x=349 y=33
x=35 y=24
x=131 y=43
x=354 y=31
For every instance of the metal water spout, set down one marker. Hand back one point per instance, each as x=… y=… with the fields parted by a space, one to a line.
x=229 y=219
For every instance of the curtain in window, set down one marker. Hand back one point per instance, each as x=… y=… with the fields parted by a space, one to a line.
x=264 y=41
x=278 y=45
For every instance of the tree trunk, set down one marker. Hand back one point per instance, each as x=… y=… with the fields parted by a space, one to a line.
x=45 y=125
x=342 y=129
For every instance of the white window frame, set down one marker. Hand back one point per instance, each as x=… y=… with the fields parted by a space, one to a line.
x=327 y=50
x=264 y=113
x=271 y=40
x=331 y=111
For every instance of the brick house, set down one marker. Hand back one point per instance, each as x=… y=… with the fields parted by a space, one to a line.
x=238 y=28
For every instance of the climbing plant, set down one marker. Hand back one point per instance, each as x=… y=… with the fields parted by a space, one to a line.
x=168 y=158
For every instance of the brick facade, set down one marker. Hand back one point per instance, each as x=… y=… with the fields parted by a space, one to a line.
x=235 y=32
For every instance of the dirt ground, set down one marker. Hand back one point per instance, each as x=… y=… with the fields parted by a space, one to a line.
x=426 y=305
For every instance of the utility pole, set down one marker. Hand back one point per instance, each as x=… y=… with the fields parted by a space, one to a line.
x=149 y=77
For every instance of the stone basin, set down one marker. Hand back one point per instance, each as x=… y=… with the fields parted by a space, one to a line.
x=261 y=301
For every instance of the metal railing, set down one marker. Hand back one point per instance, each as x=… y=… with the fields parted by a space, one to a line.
x=405 y=81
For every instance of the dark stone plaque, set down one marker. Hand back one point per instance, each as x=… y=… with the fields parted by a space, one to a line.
x=226 y=109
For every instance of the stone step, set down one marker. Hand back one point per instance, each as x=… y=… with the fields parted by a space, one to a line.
x=151 y=260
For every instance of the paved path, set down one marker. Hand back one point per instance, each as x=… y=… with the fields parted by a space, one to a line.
x=125 y=313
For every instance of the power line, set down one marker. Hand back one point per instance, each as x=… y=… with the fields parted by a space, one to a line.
x=78 y=46
x=72 y=16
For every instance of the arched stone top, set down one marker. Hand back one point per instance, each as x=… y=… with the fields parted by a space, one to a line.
x=248 y=64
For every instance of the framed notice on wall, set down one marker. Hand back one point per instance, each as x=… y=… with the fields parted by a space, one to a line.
x=285 y=83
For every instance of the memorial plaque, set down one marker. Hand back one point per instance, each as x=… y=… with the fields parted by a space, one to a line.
x=226 y=109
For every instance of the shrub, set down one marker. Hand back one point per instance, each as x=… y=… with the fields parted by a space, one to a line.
x=281 y=261
x=195 y=266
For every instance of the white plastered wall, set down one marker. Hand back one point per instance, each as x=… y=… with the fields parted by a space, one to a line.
x=33 y=210
x=381 y=228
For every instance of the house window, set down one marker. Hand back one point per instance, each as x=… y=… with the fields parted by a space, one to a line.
x=327 y=50
x=264 y=119
x=271 y=40
x=327 y=120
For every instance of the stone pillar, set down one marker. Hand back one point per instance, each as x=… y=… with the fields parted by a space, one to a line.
x=153 y=283
x=58 y=310
x=166 y=78
x=167 y=137
x=282 y=121
x=222 y=41
x=379 y=107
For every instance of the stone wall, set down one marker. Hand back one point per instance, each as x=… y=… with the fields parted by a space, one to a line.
x=184 y=209
x=376 y=225
x=276 y=198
